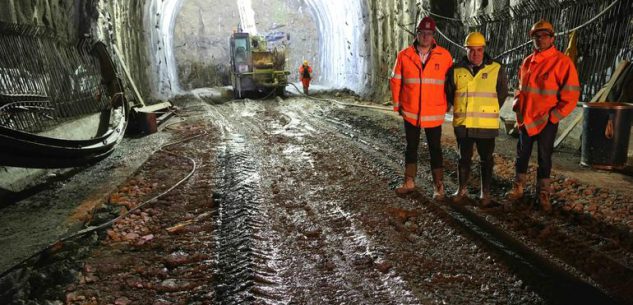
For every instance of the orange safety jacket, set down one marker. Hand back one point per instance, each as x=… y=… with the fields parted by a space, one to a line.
x=418 y=90
x=548 y=90
x=301 y=71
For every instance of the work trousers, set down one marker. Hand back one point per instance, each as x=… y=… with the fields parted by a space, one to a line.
x=433 y=137
x=545 y=141
x=305 y=82
x=485 y=148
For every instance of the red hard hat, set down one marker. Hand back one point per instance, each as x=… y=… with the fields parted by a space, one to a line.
x=427 y=24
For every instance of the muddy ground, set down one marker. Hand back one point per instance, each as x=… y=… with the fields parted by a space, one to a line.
x=291 y=202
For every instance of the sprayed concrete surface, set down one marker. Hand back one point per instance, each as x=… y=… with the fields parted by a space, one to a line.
x=292 y=202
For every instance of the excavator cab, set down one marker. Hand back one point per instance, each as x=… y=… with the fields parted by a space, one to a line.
x=255 y=68
x=240 y=64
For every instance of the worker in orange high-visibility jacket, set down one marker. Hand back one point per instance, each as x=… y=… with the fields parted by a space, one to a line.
x=305 y=76
x=548 y=92
x=417 y=88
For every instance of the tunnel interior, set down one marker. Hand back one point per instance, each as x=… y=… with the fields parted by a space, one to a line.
x=102 y=117
x=332 y=38
x=174 y=45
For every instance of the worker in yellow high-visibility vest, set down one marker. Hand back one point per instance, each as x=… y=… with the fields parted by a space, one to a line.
x=476 y=86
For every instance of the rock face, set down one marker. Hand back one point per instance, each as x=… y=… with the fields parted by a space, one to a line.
x=387 y=35
x=203 y=28
x=56 y=15
x=201 y=42
x=120 y=23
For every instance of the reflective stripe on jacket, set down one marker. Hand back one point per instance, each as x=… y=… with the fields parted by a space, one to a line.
x=476 y=104
x=548 y=90
x=417 y=90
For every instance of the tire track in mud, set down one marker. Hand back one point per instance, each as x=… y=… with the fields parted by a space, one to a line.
x=532 y=264
x=358 y=254
x=246 y=271
x=417 y=262
x=322 y=245
x=336 y=261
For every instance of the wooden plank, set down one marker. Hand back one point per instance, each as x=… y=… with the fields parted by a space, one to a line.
x=598 y=95
x=607 y=88
x=154 y=107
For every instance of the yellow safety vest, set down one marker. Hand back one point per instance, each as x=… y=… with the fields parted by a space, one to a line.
x=476 y=103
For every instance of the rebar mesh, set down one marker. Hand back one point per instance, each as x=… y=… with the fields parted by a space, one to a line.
x=45 y=81
x=601 y=44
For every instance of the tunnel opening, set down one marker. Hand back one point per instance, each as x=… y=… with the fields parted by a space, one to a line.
x=189 y=40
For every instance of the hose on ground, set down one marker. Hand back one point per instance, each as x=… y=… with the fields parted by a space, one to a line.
x=109 y=223
x=341 y=103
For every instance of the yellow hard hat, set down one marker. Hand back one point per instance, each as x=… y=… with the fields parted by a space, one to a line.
x=542 y=25
x=475 y=39
x=305 y=62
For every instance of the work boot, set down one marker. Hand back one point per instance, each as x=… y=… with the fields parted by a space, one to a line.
x=305 y=90
x=543 y=190
x=463 y=174
x=517 y=187
x=438 y=183
x=410 y=171
x=486 y=181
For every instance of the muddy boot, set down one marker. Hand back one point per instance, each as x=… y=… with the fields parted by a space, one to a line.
x=543 y=190
x=463 y=174
x=486 y=182
x=438 y=184
x=410 y=171
x=517 y=187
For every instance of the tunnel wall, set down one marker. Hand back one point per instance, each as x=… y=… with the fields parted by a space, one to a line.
x=159 y=24
x=121 y=23
x=388 y=20
x=118 y=22
x=56 y=15
x=342 y=28
x=506 y=23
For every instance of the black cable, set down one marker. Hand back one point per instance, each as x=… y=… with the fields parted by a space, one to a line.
x=109 y=223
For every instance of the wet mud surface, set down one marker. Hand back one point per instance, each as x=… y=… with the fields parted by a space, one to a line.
x=292 y=202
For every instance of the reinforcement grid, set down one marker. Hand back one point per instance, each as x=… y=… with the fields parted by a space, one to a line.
x=604 y=34
x=44 y=81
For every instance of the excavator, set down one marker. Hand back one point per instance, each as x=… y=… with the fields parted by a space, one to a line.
x=256 y=68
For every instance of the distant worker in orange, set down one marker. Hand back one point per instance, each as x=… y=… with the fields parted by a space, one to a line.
x=548 y=92
x=417 y=88
x=305 y=75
